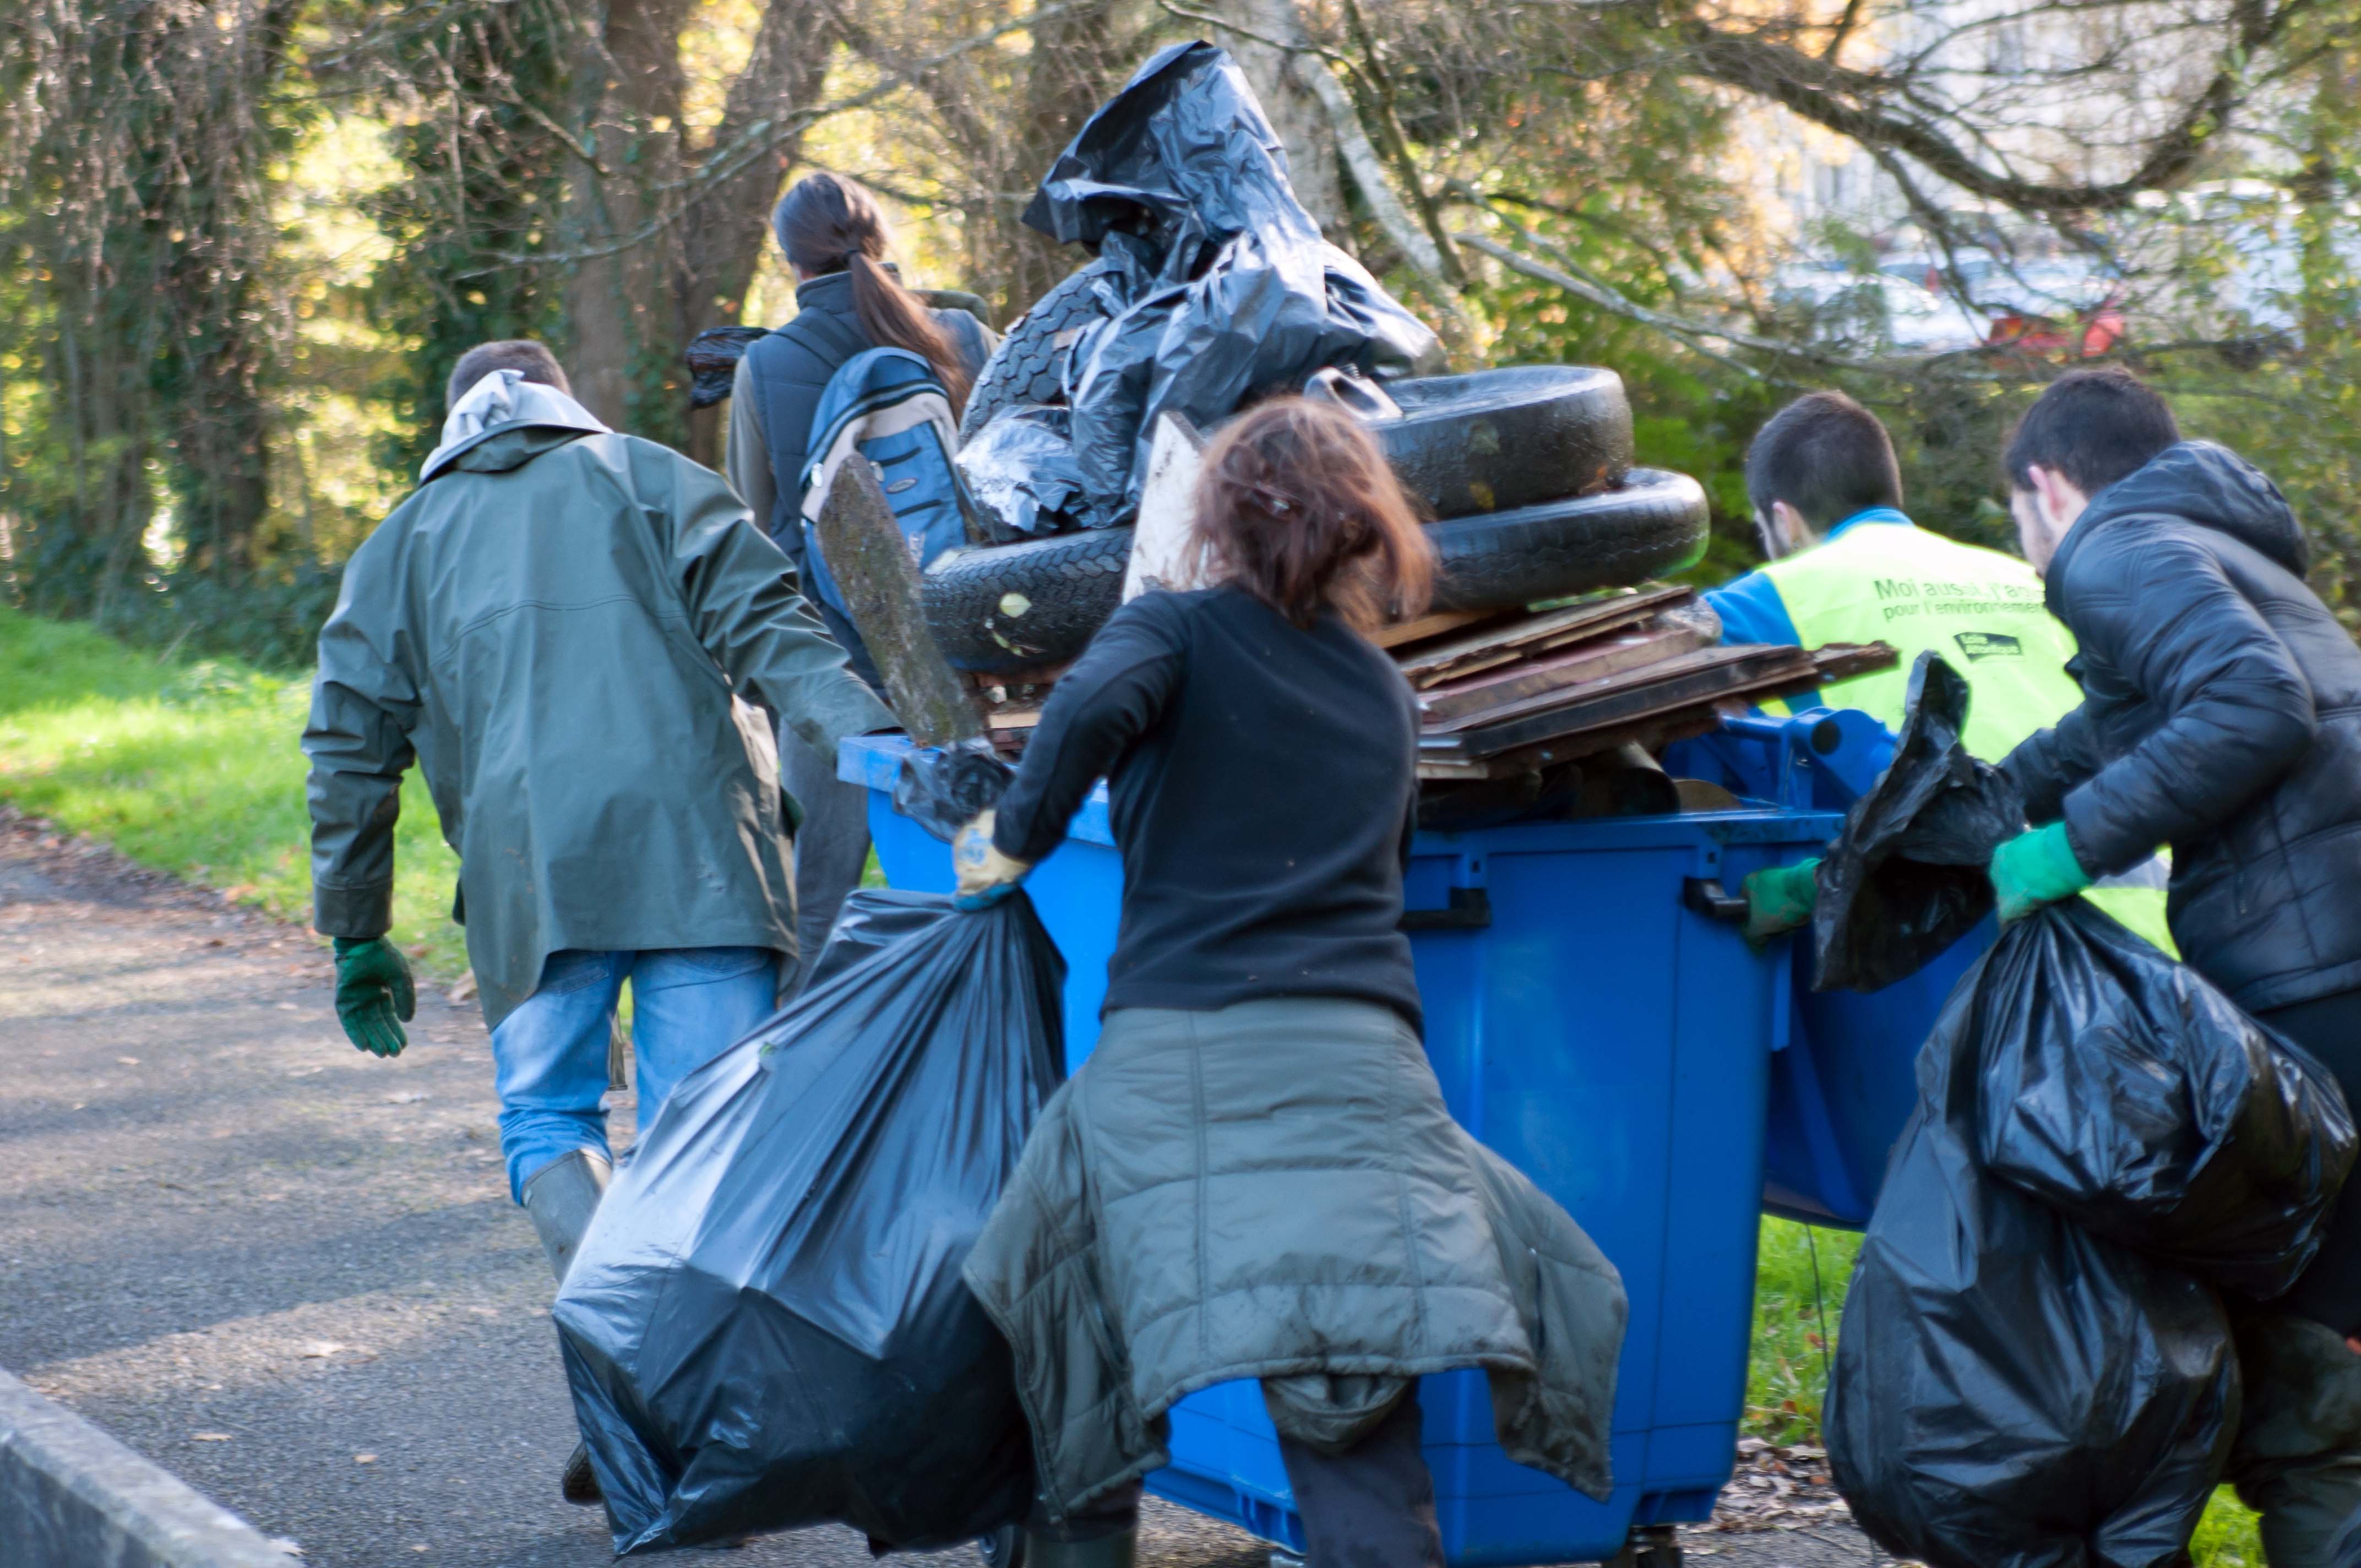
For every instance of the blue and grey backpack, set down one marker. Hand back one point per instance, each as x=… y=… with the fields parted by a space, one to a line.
x=887 y=407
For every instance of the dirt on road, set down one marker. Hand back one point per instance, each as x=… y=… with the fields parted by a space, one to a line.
x=291 y=1273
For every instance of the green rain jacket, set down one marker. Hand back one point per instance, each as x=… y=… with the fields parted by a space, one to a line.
x=558 y=626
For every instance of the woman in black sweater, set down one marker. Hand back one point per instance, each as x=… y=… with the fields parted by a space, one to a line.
x=1255 y=1176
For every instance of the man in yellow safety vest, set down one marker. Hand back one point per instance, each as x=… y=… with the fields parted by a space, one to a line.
x=1847 y=565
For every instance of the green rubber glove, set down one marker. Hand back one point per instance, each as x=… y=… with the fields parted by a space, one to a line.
x=374 y=995
x=1779 y=899
x=2034 y=869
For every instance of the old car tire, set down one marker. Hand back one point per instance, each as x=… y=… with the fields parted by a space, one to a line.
x=1012 y=607
x=1029 y=368
x=1653 y=523
x=1500 y=438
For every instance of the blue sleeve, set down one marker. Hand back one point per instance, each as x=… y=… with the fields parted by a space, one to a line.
x=1752 y=611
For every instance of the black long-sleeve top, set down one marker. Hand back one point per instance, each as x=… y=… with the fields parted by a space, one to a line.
x=1263 y=785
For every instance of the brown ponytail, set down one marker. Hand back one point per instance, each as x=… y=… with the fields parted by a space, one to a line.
x=1296 y=506
x=828 y=224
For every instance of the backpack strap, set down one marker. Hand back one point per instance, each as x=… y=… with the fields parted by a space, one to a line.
x=877 y=392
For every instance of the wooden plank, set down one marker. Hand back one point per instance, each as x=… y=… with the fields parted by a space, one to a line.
x=1694 y=678
x=1443 y=760
x=1163 y=537
x=1841 y=661
x=1592 y=659
x=870 y=558
x=1465 y=655
x=1736 y=662
x=1656 y=733
x=1426 y=626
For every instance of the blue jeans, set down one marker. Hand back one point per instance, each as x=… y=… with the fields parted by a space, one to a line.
x=549 y=1057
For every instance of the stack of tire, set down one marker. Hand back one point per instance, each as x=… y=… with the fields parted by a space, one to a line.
x=1526 y=471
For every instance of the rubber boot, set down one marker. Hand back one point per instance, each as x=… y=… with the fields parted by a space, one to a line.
x=561 y=1197
x=1117 y=1549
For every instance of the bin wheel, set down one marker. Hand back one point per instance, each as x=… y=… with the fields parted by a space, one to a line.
x=1003 y=1547
x=1648 y=1546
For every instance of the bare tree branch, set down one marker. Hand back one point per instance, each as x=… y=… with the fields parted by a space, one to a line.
x=764 y=138
x=1855 y=103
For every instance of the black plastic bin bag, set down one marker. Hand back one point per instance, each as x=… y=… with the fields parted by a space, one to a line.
x=1221 y=286
x=2010 y=1391
x=1020 y=469
x=1907 y=878
x=766 y=1327
x=2125 y=1091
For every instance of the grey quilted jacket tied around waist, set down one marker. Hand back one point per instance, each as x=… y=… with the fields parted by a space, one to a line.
x=1276 y=1191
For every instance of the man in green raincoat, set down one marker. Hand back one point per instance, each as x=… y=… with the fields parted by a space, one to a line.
x=571 y=631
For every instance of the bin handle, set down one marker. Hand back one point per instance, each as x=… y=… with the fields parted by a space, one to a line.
x=1707 y=896
x=1470 y=910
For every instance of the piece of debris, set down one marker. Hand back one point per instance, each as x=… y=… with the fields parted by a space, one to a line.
x=1779 y=1487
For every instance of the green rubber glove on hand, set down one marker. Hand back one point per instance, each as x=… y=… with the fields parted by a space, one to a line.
x=375 y=995
x=2034 y=869
x=1779 y=899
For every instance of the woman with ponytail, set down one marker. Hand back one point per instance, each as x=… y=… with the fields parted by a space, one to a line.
x=848 y=298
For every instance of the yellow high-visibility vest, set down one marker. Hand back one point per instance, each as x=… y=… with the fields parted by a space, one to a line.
x=1880 y=578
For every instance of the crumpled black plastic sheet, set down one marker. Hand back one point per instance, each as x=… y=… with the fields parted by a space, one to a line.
x=1224 y=287
x=943 y=789
x=1020 y=469
x=766 y=1327
x=2010 y=1391
x=1908 y=876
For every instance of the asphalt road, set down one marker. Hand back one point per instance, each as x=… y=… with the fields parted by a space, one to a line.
x=291 y=1273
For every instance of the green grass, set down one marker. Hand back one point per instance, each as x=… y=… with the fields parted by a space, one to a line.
x=194 y=767
x=1786 y=1372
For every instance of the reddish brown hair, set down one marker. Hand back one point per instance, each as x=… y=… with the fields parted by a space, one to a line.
x=1296 y=506
x=828 y=224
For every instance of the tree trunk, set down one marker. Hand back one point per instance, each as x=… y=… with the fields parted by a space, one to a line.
x=626 y=307
x=1295 y=111
x=633 y=309
x=731 y=223
x=1076 y=61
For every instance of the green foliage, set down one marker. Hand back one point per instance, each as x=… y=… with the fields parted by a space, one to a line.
x=194 y=768
x=445 y=288
x=2227 y=1537
x=1800 y=1275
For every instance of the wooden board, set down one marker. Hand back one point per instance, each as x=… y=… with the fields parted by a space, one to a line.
x=1483 y=650
x=1592 y=659
x=1441 y=759
x=1691 y=679
x=870 y=558
x=1426 y=626
x=1163 y=537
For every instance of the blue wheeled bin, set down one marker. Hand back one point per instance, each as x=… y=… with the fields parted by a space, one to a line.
x=1594 y=1016
x=1844 y=1089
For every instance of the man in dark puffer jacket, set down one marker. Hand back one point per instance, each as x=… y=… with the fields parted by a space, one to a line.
x=2221 y=715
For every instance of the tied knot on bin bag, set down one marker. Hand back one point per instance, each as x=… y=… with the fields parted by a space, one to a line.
x=2035 y=1366
x=766 y=1326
